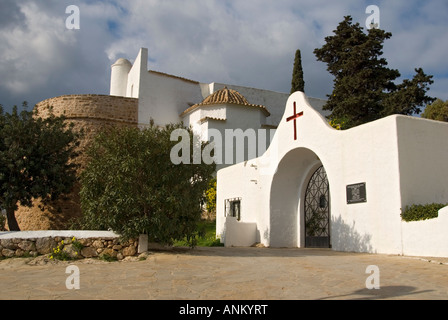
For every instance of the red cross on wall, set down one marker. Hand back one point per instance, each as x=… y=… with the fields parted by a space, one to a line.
x=294 y=117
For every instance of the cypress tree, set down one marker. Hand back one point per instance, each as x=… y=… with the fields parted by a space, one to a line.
x=297 y=83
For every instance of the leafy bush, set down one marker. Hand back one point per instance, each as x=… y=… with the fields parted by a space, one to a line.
x=437 y=111
x=339 y=123
x=417 y=212
x=131 y=186
x=206 y=236
x=210 y=195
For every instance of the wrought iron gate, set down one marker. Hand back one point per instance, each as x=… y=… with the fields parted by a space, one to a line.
x=317 y=211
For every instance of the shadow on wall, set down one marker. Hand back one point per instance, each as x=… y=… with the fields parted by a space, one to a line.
x=344 y=237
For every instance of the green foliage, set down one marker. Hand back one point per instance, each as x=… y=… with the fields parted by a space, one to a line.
x=107 y=257
x=206 y=236
x=78 y=246
x=60 y=254
x=437 y=111
x=35 y=159
x=339 y=123
x=210 y=196
x=131 y=186
x=2 y=222
x=419 y=212
x=67 y=251
x=297 y=82
x=364 y=88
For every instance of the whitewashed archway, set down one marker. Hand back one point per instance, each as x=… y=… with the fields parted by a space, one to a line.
x=287 y=197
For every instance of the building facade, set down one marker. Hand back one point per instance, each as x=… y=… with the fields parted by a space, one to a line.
x=320 y=187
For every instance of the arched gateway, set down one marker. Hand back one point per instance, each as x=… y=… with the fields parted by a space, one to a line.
x=299 y=202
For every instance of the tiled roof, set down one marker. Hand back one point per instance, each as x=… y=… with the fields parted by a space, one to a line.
x=226 y=96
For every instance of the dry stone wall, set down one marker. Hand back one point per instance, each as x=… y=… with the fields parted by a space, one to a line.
x=110 y=247
x=91 y=114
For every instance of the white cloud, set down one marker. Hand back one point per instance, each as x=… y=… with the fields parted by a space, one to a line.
x=41 y=58
x=250 y=42
x=244 y=42
x=419 y=35
x=30 y=52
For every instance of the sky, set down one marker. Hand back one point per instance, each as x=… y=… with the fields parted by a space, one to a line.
x=242 y=42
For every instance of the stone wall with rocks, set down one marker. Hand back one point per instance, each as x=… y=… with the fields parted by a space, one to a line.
x=91 y=114
x=85 y=248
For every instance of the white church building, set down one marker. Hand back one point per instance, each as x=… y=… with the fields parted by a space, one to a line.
x=320 y=187
x=314 y=186
x=167 y=98
x=207 y=107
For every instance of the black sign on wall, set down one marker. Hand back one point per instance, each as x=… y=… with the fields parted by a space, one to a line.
x=356 y=193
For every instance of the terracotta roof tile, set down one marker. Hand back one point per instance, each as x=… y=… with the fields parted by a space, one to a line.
x=226 y=96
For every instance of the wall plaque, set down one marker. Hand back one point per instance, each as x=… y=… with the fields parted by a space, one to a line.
x=356 y=193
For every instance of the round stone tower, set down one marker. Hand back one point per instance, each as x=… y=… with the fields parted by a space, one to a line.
x=90 y=113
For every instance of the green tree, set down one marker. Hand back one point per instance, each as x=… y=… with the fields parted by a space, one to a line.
x=35 y=160
x=437 y=111
x=297 y=82
x=364 y=88
x=210 y=195
x=2 y=221
x=130 y=185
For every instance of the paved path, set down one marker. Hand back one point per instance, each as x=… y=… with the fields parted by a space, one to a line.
x=230 y=273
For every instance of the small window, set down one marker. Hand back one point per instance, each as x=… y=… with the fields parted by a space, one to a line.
x=233 y=208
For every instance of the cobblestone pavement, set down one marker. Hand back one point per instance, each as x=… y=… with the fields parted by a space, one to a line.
x=231 y=273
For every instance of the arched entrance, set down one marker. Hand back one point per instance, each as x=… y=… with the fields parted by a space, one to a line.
x=317 y=210
x=287 y=197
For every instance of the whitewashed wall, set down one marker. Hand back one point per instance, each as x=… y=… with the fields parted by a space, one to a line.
x=374 y=154
x=164 y=98
x=423 y=158
x=139 y=67
x=426 y=238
